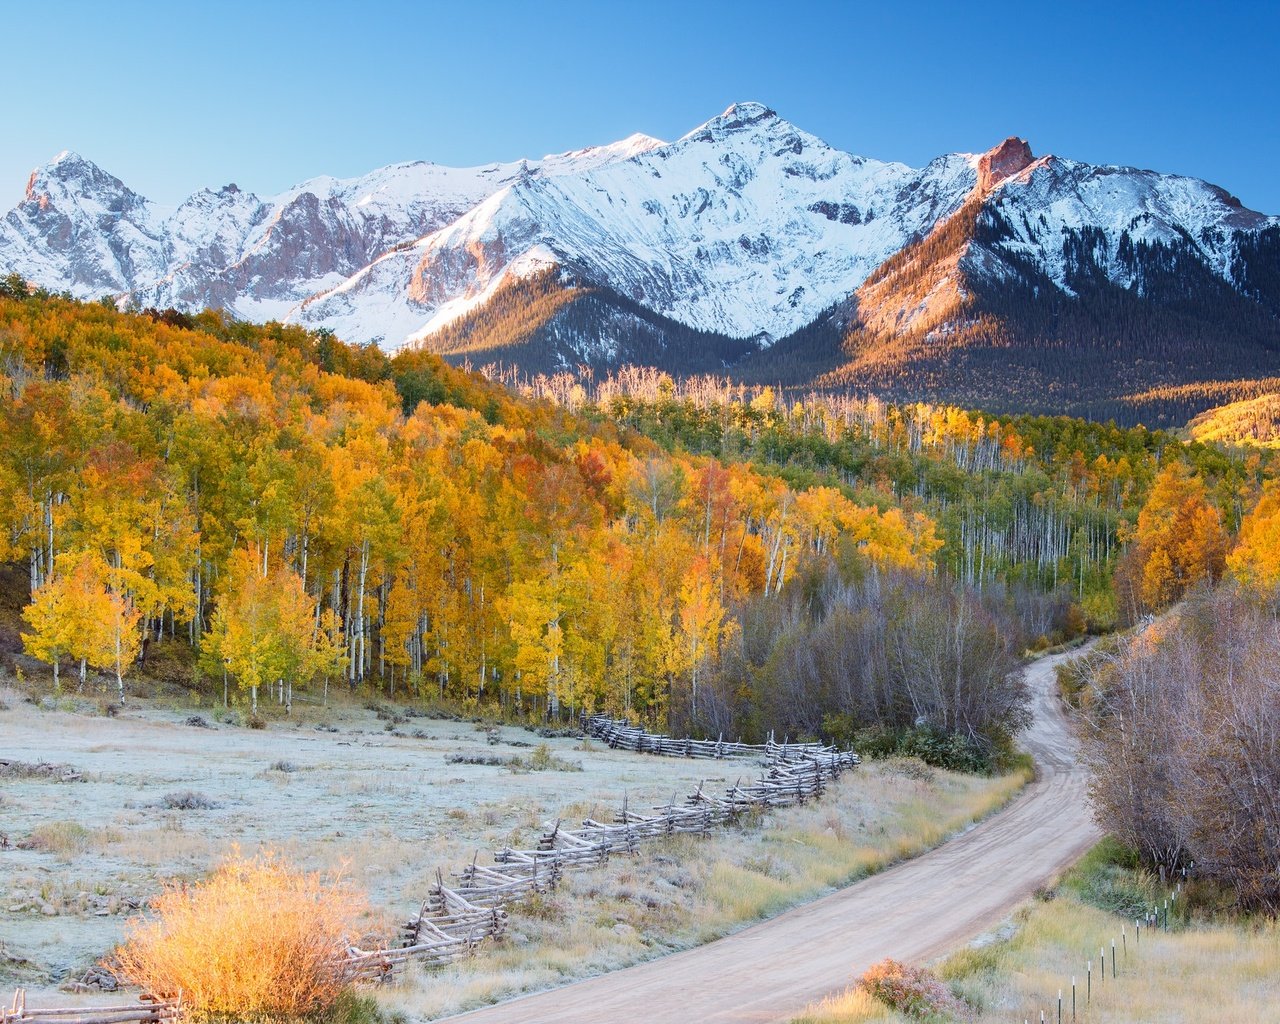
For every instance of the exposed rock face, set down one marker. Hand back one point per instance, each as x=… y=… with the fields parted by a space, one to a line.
x=1006 y=160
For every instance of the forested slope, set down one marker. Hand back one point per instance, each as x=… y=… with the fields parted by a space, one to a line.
x=697 y=554
x=268 y=495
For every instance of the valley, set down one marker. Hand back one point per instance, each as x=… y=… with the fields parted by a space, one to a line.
x=914 y=524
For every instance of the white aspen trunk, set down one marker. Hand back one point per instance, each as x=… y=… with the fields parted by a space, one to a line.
x=119 y=638
x=48 y=570
x=360 y=616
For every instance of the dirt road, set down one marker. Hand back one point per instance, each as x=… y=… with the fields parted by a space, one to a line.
x=915 y=911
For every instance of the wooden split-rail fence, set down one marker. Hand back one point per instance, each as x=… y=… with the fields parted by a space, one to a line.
x=147 y=1011
x=622 y=735
x=454 y=919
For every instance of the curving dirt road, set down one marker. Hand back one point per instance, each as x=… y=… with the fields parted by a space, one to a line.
x=915 y=911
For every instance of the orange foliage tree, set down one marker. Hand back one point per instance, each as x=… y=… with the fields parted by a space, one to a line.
x=1179 y=541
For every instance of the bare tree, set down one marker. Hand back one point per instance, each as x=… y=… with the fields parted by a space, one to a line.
x=1181 y=729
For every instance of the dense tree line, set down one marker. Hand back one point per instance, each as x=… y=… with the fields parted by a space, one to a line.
x=694 y=553
x=882 y=660
x=1049 y=502
x=267 y=496
x=550 y=321
x=1248 y=421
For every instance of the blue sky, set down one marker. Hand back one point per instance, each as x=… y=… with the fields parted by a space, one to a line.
x=171 y=97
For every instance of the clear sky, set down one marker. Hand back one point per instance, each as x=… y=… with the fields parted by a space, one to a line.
x=175 y=96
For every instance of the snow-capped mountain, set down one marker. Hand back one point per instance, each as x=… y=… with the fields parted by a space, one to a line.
x=747 y=241
x=1042 y=201
x=747 y=226
x=82 y=230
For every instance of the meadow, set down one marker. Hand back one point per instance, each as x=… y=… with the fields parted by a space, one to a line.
x=158 y=791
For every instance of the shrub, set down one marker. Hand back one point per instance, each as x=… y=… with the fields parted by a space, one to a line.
x=257 y=939
x=543 y=760
x=934 y=747
x=60 y=838
x=188 y=800
x=913 y=991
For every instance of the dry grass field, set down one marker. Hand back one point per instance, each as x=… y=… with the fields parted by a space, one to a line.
x=156 y=796
x=1206 y=970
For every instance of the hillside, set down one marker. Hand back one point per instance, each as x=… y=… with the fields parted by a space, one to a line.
x=1250 y=421
x=396 y=523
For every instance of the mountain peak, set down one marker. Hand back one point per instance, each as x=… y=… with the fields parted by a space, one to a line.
x=70 y=167
x=68 y=164
x=738 y=114
x=736 y=118
x=1003 y=161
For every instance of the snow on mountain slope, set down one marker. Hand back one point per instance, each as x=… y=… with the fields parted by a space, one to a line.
x=747 y=226
x=81 y=229
x=1053 y=223
x=1121 y=206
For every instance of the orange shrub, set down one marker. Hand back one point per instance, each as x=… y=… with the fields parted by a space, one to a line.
x=915 y=992
x=257 y=939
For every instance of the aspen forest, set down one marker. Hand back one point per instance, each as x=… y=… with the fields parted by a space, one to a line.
x=263 y=496
x=264 y=508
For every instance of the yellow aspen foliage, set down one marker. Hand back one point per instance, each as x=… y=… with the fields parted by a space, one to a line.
x=266 y=629
x=1256 y=558
x=53 y=627
x=79 y=613
x=400 y=624
x=703 y=626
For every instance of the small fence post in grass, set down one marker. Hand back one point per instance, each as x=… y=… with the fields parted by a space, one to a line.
x=1113 y=958
x=1102 y=960
x=1088 y=977
x=1073 y=999
x=1059 y=1006
x=1137 y=932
